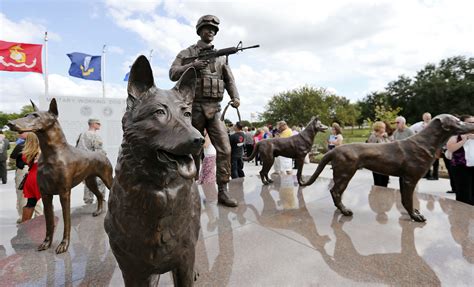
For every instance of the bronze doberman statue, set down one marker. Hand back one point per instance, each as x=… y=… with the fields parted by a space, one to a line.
x=297 y=147
x=408 y=159
x=61 y=167
x=153 y=219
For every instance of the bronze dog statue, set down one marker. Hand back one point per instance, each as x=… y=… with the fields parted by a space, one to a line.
x=153 y=219
x=61 y=167
x=408 y=159
x=297 y=147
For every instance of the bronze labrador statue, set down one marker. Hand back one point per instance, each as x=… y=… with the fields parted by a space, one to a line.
x=61 y=167
x=297 y=147
x=408 y=159
x=153 y=219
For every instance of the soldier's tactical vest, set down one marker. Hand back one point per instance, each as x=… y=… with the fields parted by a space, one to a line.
x=209 y=85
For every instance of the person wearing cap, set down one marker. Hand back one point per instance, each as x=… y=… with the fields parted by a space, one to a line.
x=213 y=77
x=90 y=140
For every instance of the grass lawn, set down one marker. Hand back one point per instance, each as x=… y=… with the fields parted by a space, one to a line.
x=350 y=135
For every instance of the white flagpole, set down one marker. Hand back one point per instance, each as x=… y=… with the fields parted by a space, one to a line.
x=103 y=70
x=46 y=87
x=151 y=56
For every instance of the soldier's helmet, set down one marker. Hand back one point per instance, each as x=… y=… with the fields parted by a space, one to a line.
x=207 y=20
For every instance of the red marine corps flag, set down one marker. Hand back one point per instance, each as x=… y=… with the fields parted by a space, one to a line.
x=20 y=57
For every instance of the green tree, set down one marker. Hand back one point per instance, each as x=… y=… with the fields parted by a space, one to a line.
x=400 y=94
x=369 y=103
x=300 y=105
x=384 y=114
x=245 y=123
x=446 y=88
x=5 y=117
x=26 y=110
x=348 y=114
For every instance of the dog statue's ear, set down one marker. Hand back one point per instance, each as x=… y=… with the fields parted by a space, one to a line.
x=186 y=85
x=35 y=108
x=141 y=77
x=53 y=107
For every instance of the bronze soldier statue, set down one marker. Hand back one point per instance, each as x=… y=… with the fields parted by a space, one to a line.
x=214 y=75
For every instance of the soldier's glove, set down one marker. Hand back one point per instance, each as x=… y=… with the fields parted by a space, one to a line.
x=235 y=103
x=199 y=64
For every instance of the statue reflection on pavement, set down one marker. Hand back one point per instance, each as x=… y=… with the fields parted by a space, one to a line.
x=404 y=268
x=287 y=212
x=89 y=262
x=219 y=217
x=462 y=229
x=381 y=200
x=26 y=265
x=92 y=250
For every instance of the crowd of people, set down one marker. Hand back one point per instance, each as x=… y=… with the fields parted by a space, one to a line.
x=457 y=154
x=459 y=162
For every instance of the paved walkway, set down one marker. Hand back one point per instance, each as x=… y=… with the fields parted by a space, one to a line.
x=280 y=235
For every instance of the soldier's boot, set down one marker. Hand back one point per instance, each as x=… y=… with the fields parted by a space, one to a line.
x=27 y=213
x=223 y=196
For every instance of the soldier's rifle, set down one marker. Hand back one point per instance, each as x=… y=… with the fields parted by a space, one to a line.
x=211 y=54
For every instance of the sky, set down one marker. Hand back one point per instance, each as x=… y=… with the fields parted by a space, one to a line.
x=351 y=48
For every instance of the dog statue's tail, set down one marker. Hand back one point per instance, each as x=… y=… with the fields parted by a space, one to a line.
x=324 y=161
x=254 y=153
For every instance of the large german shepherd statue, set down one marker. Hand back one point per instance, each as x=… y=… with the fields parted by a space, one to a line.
x=297 y=147
x=61 y=167
x=408 y=159
x=153 y=218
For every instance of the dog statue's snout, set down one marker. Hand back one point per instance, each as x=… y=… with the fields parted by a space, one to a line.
x=199 y=141
x=11 y=125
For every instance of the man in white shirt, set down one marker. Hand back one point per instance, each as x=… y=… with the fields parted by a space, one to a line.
x=419 y=126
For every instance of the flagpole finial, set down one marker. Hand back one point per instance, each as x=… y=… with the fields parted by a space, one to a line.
x=46 y=36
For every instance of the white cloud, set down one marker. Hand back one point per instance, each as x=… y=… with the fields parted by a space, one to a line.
x=350 y=46
x=114 y=49
x=24 y=31
x=312 y=42
x=133 y=6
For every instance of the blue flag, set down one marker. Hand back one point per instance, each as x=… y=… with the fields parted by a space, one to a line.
x=85 y=66
x=127 y=75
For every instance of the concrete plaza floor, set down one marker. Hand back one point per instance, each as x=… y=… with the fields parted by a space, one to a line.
x=280 y=235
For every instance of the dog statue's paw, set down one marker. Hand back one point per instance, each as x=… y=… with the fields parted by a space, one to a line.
x=347 y=212
x=97 y=212
x=45 y=245
x=62 y=247
x=417 y=216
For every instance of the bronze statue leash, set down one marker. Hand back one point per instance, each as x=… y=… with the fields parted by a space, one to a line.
x=225 y=110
